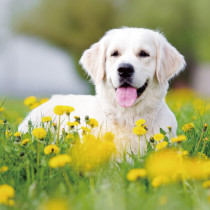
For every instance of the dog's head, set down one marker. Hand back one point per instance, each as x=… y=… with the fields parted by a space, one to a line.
x=129 y=59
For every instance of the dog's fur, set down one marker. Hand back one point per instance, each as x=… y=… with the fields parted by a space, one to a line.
x=163 y=63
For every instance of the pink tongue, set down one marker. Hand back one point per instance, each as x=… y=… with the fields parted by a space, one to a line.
x=126 y=96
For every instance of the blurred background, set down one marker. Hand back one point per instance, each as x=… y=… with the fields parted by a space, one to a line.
x=41 y=41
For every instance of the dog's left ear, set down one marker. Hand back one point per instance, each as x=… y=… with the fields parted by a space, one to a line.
x=169 y=61
x=93 y=61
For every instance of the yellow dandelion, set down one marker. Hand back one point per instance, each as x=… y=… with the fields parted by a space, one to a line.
x=1 y=109
x=140 y=131
x=54 y=204
x=46 y=119
x=135 y=174
x=44 y=100
x=158 y=137
x=206 y=184
x=178 y=139
x=59 y=161
x=59 y=110
x=8 y=133
x=6 y=194
x=69 y=136
x=187 y=127
x=85 y=130
x=33 y=106
x=72 y=124
x=92 y=123
x=39 y=133
x=24 y=142
x=159 y=181
x=49 y=149
x=30 y=100
x=69 y=110
x=161 y=145
x=17 y=134
x=140 y=122
x=3 y=169
x=108 y=136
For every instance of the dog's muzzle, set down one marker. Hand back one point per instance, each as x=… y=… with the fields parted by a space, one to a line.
x=125 y=70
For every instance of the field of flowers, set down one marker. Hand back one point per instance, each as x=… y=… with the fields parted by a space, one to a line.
x=46 y=169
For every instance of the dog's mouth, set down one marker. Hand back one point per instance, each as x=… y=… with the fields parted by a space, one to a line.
x=126 y=95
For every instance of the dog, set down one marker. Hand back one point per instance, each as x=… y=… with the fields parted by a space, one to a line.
x=130 y=68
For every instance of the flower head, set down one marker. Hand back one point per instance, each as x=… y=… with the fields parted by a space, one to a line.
x=6 y=194
x=160 y=180
x=59 y=161
x=46 y=119
x=17 y=134
x=43 y=100
x=140 y=131
x=108 y=136
x=72 y=124
x=187 y=127
x=92 y=123
x=158 y=137
x=49 y=149
x=3 y=169
x=39 y=133
x=59 y=110
x=178 y=139
x=135 y=174
x=206 y=184
x=69 y=110
x=85 y=130
x=1 y=109
x=140 y=122
x=161 y=145
x=30 y=100
x=24 y=142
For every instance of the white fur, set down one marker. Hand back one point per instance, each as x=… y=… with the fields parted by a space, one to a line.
x=163 y=63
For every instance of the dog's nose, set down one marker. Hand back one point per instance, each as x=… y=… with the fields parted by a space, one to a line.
x=125 y=70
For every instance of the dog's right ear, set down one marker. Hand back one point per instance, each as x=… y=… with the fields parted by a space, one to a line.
x=93 y=61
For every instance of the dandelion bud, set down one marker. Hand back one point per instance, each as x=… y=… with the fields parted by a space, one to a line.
x=151 y=140
x=169 y=128
x=54 y=126
x=86 y=118
x=77 y=118
x=205 y=127
x=5 y=121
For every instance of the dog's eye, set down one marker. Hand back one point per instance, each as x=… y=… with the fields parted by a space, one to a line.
x=115 y=53
x=143 y=53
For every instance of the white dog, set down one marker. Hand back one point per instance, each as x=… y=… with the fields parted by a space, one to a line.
x=130 y=68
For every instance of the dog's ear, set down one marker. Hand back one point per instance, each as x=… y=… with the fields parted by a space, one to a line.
x=169 y=61
x=93 y=61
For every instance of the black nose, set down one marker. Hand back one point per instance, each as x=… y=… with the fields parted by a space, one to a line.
x=125 y=70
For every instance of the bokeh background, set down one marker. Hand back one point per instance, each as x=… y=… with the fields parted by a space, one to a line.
x=41 y=41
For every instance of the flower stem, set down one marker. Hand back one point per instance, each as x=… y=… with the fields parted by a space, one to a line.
x=58 y=130
x=66 y=178
x=139 y=152
x=37 y=152
x=199 y=142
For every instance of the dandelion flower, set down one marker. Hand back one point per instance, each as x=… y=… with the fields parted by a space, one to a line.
x=17 y=134
x=3 y=169
x=59 y=161
x=46 y=119
x=92 y=123
x=187 y=127
x=85 y=130
x=135 y=174
x=72 y=124
x=39 y=133
x=69 y=110
x=206 y=184
x=140 y=122
x=140 y=131
x=43 y=100
x=30 y=100
x=49 y=149
x=1 y=109
x=108 y=136
x=6 y=194
x=161 y=145
x=178 y=139
x=59 y=110
x=33 y=106
x=160 y=180
x=158 y=137
x=24 y=142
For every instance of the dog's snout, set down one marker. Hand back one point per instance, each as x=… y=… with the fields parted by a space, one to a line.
x=125 y=70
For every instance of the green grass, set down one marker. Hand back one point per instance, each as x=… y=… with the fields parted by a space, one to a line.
x=106 y=187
